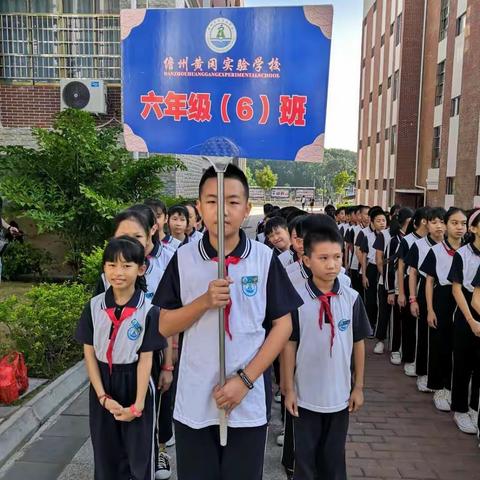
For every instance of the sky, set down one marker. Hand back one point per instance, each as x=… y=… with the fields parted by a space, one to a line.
x=343 y=89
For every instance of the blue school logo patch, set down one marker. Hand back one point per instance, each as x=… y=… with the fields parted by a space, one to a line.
x=149 y=295
x=249 y=285
x=134 y=330
x=343 y=324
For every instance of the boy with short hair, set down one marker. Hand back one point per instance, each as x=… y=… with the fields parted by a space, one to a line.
x=332 y=324
x=295 y=252
x=258 y=299
x=276 y=232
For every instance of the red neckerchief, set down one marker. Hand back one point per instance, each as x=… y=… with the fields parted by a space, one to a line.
x=450 y=251
x=326 y=310
x=126 y=312
x=228 y=261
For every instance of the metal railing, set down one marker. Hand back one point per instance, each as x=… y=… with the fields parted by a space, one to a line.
x=47 y=47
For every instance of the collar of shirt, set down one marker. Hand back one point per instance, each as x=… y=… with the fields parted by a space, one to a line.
x=416 y=235
x=167 y=239
x=314 y=292
x=135 y=302
x=207 y=252
x=305 y=271
x=156 y=251
x=430 y=241
x=193 y=232
x=294 y=254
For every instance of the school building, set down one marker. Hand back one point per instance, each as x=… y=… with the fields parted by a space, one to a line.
x=419 y=137
x=44 y=41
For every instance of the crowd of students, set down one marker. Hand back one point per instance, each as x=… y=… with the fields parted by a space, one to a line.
x=294 y=299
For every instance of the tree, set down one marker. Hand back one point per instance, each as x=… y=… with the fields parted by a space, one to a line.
x=341 y=181
x=250 y=177
x=77 y=179
x=265 y=178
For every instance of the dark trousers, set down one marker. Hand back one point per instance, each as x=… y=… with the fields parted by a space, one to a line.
x=396 y=328
x=409 y=329
x=357 y=283
x=440 y=347
x=466 y=365
x=320 y=445
x=384 y=314
x=421 y=355
x=371 y=301
x=122 y=450
x=200 y=456
x=288 y=452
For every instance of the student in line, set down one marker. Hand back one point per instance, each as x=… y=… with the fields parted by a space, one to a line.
x=332 y=325
x=258 y=298
x=160 y=210
x=178 y=221
x=119 y=331
x=276 y=232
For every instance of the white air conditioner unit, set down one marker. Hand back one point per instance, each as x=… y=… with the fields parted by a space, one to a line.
x=83 y=94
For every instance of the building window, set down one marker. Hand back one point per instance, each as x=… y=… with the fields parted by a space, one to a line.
x=378 y=137
x=382 y=40
x=375 y=6
x=437 y=140
x=461 y=21
x=368 y=141
x=455 y=106
x=443 y=19
x=359 y=183
x=380 y=88
x=389 y=81
x=359 y=144
x=392 y=28
x=385 y=184
x=398 y=31
x=477 y=185
x=393 y=139
x=365 y=22
x=361 y=104
x=440 y=83
x=396 y=81
x=386 y=133
x=373 y=51
x=376 y=184
x=450 y=185
x=363 y=63
x=370 y=97
x=391 y=193
x=367 y=184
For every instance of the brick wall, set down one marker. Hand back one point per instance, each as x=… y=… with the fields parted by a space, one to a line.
x=37 y=105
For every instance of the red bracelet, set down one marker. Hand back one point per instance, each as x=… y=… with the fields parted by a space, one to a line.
x=412 y=300
x=168 y=368
x=104 y=397
x=174 y=345
x=134 y=411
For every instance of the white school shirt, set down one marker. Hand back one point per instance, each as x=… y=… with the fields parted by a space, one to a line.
x=299 y=272
x=287 y=257
x=323 y=374
x=171 y=242
x=417 y=253
x=465 y=264
x=354 y=264
x=261 y=293
x=438 y=262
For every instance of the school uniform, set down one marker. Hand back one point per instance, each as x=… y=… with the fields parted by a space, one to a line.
x=354 y=266
x=195 y=235
x=261 y=293
x=299 y=272
x=437 y=264
x=381 y=244
x=122 y=450
x=466 y=346
x=409 y=324
x=323 y=377
x=288 y=257
x=391 y=287
x=171 y=242
x=414 y=259
x=365 y=241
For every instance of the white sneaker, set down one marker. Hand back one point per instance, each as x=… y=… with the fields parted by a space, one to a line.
x=379 y=348
x=280 y=439
x=440 y=399
x=410 y=369
x=395 y=358
x=171 y=442
x=473 y=415
x=278 y=397
x=422 y=384
x=464 y=423
x=163 y=470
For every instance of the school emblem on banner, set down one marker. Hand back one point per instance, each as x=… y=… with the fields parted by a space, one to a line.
x=134 y=330
x=249 y=285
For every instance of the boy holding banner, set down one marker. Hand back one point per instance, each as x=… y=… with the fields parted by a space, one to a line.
x=258 y=299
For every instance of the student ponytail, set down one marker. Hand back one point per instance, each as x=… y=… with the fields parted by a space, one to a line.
x=419 y=215
x=399 y=219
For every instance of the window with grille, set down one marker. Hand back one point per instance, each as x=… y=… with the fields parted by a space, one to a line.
x=398 y=30
x=440 y=83
x=384 y=184
x=396 y=84
x=380 y=88
x=437 y=140
x=386 y=134
x=376 y=184
x=477 y=185
x=367 y=184
x=378 y=137
x=393 y=139
x=443 y=19
x=455 y=106
x=40 y=44
x=389 y=81
x=461 y=21
x=382 y=40
x=450 y=185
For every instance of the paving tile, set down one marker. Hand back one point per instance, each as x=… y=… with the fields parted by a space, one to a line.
x=48 y=449
x=32 y=470
x=69 y=426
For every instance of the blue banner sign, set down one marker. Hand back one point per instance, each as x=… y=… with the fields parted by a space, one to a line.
x=255 y=76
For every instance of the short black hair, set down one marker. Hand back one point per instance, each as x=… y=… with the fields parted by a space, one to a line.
x=267 y=208
x=180 y=210
x=232 y=171
x=436 y=212
x=330 y=210
x=273 y=223
x=143 y=215
x=376 y=212
x=340 y=209
x=195 y=209
x=156 y=205
x=124 y=246
x=319 y=235
x=292 y=224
